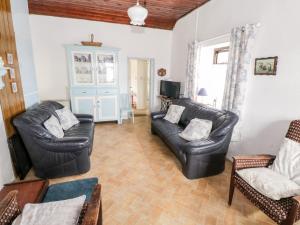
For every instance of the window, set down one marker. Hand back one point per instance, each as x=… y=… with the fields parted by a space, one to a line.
x=221 y=55
x=212 y=70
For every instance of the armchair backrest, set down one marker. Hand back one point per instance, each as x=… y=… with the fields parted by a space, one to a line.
x=294 y=131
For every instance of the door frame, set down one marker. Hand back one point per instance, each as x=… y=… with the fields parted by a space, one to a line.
x=151 y=79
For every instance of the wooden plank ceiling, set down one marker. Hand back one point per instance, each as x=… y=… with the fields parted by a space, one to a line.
x=163 y=14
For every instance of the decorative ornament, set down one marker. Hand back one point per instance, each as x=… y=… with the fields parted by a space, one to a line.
x=162 y=72
x=92 y=42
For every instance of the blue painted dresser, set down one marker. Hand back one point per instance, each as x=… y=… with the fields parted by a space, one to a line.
x=94 y=83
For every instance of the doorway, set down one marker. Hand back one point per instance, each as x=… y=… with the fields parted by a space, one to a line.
x=139 y=85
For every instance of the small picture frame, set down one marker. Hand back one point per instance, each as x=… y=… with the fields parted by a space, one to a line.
x=266 y=66
x=10 y=58
x=12 y=74
x=14 y=87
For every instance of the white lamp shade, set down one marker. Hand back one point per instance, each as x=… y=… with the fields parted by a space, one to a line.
x=137 y=14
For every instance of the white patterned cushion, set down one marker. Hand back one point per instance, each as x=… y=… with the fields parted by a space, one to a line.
x=67 y=118
x=174 y=113
x=197 y=129
x=54 y=127
x=287 y=161
x=64 y=212
x=270 y=183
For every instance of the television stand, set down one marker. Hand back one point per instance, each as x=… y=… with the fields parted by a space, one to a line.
x=165 y=103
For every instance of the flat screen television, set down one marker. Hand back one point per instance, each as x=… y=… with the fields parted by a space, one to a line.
x=170 y=89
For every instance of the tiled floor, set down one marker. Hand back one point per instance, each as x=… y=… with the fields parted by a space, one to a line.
x=142 y=183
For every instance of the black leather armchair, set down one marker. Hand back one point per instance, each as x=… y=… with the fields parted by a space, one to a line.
x=199 y=158
x=52 y=157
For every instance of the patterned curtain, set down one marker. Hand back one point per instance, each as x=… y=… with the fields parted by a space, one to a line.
x=192 y=71
x=239 y=67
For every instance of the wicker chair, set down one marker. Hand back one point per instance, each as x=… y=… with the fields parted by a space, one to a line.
x=284 y=211
x=91 y=213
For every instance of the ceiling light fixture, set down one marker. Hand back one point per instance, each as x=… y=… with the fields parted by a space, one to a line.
x=137 y=14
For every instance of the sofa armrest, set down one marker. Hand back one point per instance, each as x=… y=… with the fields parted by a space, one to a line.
x=85 y=118
x=158 y=115
x=203 y=146
x=65 y=145
x=244 y=162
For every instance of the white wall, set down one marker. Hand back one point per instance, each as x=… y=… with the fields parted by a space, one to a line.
x=6 y=170
x=49 y=34
x=24 y=49
x=271 y=101
x=20 y=15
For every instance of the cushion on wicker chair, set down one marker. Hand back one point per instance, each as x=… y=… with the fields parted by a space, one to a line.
x=278 y=210
x=287 y=161
x=65 y=212
x=269 y=183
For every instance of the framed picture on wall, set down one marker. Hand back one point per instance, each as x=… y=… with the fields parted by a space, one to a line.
x=266 y=66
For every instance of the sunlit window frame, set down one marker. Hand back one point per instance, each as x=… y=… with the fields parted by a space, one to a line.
x=217 y=51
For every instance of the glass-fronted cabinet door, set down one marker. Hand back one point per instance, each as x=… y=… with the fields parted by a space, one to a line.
x=83 y=72
x=106 y=69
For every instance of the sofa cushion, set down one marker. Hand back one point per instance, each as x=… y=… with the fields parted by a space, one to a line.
x=65 y=212
x=176 y=144
x=67 y=118
x=174 y=113
x=269 y=183
x=196 y=130
x=166 y=128
x=287 y=161
x=54 y=127
x=81 y=130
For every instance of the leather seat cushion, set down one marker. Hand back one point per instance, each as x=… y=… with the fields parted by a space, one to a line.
x=166 y=128
x=81 y=130
x=176 y=143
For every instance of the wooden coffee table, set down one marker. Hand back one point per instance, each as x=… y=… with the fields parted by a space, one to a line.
x=31 y=191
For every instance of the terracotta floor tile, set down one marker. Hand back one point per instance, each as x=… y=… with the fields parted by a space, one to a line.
x=142 y=183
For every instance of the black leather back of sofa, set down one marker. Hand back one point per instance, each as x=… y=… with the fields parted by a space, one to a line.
x=200 y=111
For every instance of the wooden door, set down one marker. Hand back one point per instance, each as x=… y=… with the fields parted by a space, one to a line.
x=12 y=104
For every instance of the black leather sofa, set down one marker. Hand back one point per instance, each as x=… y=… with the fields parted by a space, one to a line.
x=52 y=157
x=199 y=158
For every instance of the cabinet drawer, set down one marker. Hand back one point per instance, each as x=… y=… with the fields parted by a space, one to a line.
x=84 y=92
x=107 y=91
